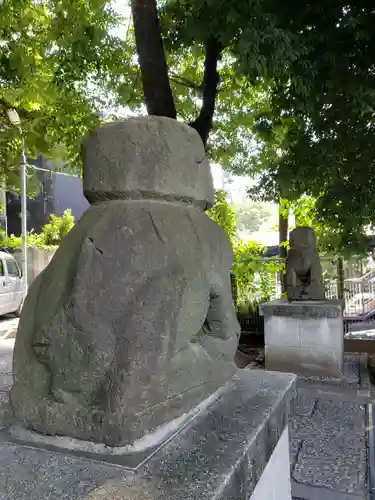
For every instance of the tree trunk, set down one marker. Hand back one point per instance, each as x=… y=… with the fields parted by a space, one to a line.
x=283 y=237
x=156 y=87
x=233 y=282
x=3 y=206
x=340 y=278
x=203 y=123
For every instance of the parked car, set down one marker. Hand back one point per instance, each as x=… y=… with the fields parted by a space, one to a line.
x=360 y=303
x=11 y=285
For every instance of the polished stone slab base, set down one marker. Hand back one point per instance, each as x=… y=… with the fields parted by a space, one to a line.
x=222 y=454
x=131 y=458
x=305 y=338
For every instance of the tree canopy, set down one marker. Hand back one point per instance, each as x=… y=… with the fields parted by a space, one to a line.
x=223 y=214
x=316 y=132
x=255 y=275
x=297 y=104
x=57 y=57
x=283 y=94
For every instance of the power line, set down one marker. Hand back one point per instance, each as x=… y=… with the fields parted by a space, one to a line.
x=52 y=171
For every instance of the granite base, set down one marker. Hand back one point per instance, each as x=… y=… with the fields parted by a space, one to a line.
x=222 y=454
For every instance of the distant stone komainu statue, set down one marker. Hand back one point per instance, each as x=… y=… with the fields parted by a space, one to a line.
x=132 y=324
x=304 y=272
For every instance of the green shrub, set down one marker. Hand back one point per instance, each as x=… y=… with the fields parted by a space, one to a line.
x=50 y=236
x=57 y=228
x=255 y=276
x=223 y=214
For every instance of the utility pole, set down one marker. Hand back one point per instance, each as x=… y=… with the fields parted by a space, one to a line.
x=16 y=121
x=3 y=205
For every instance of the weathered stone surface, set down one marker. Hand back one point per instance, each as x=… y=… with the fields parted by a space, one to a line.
x=307 y=309
x=304 y=273
x=323 y=464
x=132 y=324
x=330 y=447
x=147 y=157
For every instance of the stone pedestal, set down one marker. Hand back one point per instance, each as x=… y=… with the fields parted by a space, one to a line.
x=304 y=337
x=236 y=448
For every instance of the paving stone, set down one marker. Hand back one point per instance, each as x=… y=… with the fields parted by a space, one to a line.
x=332 y=446
x=351 y=374
x=5 y=411
x=323 y=464
x=41 y=474
x=352 y=434
x=333 y=475
x=305 y=428
x=294 y=447
x=326 y=449
x=341 y=409
x=349 y=421
x=303 y=406
x=6 y=356
x=6 y=381
x=8 y=326
x=6 y=362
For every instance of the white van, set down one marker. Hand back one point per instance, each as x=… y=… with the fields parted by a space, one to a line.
x=11 y=285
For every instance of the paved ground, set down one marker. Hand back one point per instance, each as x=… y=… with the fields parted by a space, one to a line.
x=6 y=355
x=328 y=426
x=329 y=449
x=329 y=431
x=331 y=435
x=8 y=327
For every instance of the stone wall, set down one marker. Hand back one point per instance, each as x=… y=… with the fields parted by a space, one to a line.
x=37 y=260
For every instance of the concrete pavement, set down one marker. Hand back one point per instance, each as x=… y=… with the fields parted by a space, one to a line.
x=8 y=327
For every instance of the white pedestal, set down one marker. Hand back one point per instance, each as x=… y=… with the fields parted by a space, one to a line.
x=274 y=483
x=306 y=337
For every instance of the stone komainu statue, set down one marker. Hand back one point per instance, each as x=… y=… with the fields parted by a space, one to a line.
x=304 y=272
x=132 y=324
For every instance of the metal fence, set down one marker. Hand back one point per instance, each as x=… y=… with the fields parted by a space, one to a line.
x=252 y=322
x=359 y=295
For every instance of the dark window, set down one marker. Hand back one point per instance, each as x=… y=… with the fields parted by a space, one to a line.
x=2 y=268
x=13 y=269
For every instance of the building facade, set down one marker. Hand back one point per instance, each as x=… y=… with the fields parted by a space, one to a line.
x=56 y=192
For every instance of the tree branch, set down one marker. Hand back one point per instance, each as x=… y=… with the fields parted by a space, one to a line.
x=203 y=123
x=184 y=81
x=156 y=87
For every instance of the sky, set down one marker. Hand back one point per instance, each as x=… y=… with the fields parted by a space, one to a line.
x=122 y=8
